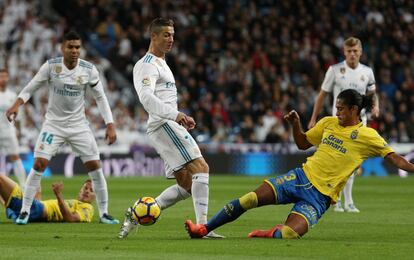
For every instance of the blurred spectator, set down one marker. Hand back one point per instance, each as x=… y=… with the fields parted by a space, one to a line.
x=239 y=65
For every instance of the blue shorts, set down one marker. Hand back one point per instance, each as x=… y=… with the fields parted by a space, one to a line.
x=294 y=187
x=15 y=204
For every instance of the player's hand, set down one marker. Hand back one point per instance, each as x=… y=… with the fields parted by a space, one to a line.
x=190 y=123
x=375 y=111
x=11 y=113
x=312 y=123
x=181 y=118
x=110 y=134
x=359 y=171
x=186 y=121
x=292 y=117
x=57 y=187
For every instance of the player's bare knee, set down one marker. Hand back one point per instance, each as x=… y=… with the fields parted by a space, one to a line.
x=14 y=157
x=265 y=194
x=204 y=168
x=297 y=223
x=183 y=179
x=92 y=165
x=198 y=166
x=40 y=164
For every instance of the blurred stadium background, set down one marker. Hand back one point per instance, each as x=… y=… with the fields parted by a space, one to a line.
x=239 y=66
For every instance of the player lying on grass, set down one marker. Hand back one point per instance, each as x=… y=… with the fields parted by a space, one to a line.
x=342 y=144
x=55 y=210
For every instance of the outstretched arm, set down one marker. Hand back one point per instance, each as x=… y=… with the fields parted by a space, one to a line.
x=375 y=106
x=300 y=137
x=400 y=162
x=64 y=209
x=317 y=108
x=37 y=82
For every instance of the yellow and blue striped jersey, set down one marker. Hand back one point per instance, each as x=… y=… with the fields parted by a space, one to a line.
x=53 y=213
x=340 y=150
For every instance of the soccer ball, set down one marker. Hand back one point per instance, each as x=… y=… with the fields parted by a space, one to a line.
x=145 y=211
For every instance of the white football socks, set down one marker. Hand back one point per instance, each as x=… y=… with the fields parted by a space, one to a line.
x=101 y=190
x=32 y=186
x=348 y=190
x=20 y=173
x=199 y=192
x=171 y=195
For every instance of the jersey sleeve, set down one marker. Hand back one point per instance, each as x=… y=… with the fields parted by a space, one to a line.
x=100 y=97
x=102 y=102
x=85 y=212
x=378 y=146
x=94 y=77
x=314 y=135
x=39 y=80
x=371 y=81
x=329 y=80
x=145 y=78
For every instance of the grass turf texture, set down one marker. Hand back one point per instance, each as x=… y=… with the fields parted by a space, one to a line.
x=382 y=230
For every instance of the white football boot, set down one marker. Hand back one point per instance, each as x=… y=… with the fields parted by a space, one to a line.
x=128 y=225
x=338 y=207
x=213 y=235
x=351 y=208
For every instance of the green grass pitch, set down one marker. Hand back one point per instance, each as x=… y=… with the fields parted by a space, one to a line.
x=384 y=229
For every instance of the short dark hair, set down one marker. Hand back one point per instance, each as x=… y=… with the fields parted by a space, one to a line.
x=351 y=97
x=156 y=24
x=71 y=35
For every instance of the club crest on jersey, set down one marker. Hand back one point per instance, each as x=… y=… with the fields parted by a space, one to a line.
x=342 y=70
x=41 y=147
x=362 y=78
x=146 y=82
x=58 y=69
x=354 y=134
x=79 y=80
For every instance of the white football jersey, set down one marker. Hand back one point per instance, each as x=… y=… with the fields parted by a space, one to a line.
x=340 y=77
x=155 y=85
x=66 y=103
x=7 y=99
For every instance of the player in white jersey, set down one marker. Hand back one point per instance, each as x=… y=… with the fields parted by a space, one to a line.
x=67 y=77
x=9 y=145
x=349 y=74
x=167 y=128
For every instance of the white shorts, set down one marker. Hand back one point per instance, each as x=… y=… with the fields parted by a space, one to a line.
x=79 y=137
x=9 y=144
x=175 y=146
